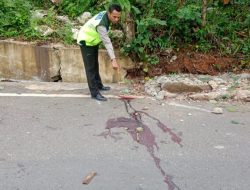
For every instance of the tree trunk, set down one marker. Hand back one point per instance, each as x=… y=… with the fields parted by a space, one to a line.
x=204 y=12
x=181 y=3
x=129 y=28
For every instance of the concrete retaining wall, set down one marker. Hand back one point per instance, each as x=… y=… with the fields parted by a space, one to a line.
x=28 y=61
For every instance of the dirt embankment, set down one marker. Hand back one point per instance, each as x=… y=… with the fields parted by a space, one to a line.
x=194 y=63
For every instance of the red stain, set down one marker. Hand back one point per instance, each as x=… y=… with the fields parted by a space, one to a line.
x=145 y=137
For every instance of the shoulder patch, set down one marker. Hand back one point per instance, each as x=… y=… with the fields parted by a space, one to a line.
x=99 y=16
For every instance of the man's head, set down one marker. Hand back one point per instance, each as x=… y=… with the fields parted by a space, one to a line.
x=114 y=13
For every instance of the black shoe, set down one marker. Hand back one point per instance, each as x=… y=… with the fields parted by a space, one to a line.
x=104 y=88
x=99 y=97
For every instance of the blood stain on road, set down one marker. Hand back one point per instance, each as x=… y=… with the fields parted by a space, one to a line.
x=142 y=134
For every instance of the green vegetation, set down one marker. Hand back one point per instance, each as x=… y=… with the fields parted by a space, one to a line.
x=165 y=24
x=73 y=8
x=14 y=18
x=159 y=25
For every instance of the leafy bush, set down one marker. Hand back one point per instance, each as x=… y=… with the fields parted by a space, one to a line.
x=145 y=42
x=14 y=17
x=73 y=8
x=227 y=28
x=41 y=4
x=65 y=33
x=159 y=25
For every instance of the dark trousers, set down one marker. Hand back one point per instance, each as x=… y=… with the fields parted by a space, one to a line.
x=90 y=59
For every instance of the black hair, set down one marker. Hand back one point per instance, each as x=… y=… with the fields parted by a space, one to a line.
x=116 y=7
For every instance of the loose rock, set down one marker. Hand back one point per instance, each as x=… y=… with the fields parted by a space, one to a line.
x=56 y=1
x=44 y=30
x=200 y=87
x=243 y=95
x=160 y=95
x=84 y=17
x=213 y=101
x=213 y=84
x=139 y=129
x=217 y=110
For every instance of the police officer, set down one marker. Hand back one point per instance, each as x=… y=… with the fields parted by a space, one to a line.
x=91 y=34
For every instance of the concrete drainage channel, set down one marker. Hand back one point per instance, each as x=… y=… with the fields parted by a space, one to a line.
x=53 y=63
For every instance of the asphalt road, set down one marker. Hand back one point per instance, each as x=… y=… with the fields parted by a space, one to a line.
x=49 y=141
